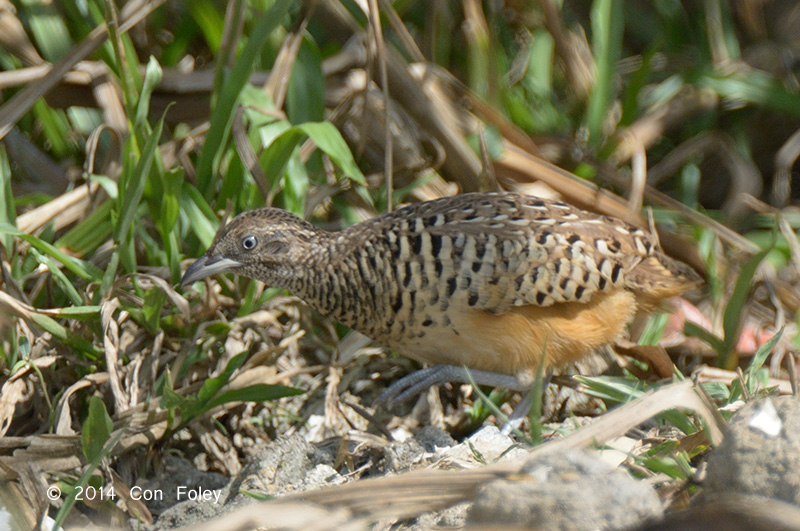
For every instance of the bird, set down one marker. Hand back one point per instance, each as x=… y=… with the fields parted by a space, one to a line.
x=497 y=283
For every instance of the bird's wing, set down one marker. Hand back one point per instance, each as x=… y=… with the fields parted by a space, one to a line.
x=512 y=251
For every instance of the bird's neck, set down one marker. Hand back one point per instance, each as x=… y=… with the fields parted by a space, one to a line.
x=327 y=278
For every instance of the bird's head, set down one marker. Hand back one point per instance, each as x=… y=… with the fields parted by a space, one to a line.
x=267 y=244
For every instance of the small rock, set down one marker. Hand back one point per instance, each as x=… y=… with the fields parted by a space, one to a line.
x=321 y=476
x=487 y=445
x=760 y=453
x=451 y=518
x=284 y=466
x=570 y=490
x=175 y=472
x=412 y=452
x=433 y=439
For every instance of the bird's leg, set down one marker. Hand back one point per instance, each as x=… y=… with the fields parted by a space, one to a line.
x=522 y=409
x=416 y=382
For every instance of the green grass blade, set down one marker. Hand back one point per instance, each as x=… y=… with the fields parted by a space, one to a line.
x=132 y=193
x=734 y=310
x=758 y=360
x=216 y=138
x=757 y=88
x=167 y=219
x=47 y=28
x=55 y=127
x=253 y=393
x=81 y=268
x=91 y=232
x=654 y=329
x=7 y=210
x=75 y=312
x=208 y=18
x=152 y=78
x=202 y=220
x=227 y=48
x=607 y=26
x=60 y=332
x=61 y=279
x=693 y=330
x=212 y=385
x=612 y=388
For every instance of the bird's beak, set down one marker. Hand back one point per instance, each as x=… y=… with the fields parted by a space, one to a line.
x=206 y=266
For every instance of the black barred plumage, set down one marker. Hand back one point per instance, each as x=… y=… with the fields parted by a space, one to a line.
x=483 y=280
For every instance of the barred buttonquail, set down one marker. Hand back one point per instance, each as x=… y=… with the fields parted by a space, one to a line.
x=490 y=281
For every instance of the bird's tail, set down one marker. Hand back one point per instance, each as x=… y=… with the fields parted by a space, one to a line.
x=658 y=277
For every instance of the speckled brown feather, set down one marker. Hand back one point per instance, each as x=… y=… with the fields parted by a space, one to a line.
x=491 y=281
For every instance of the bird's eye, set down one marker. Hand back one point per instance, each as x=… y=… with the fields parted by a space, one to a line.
x=249 y=243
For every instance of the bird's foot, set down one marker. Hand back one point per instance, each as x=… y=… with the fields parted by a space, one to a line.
x=416 y=382
x=521 y=410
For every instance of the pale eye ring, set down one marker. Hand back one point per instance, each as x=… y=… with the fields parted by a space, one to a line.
x=249 y=243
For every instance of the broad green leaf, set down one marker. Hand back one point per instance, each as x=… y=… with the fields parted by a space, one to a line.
x=153 y=304
x=47 y=29
x=192 y=406
x=96 y=430
x=305 y=99
x=295 y=186
x=277 y=153
x=717 y=391
x=326 y=137
x=330 y=141
x=212 y=385
x=170 y=400
x=108 y=184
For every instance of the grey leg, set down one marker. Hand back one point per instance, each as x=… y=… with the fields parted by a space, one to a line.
x=419 y=381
